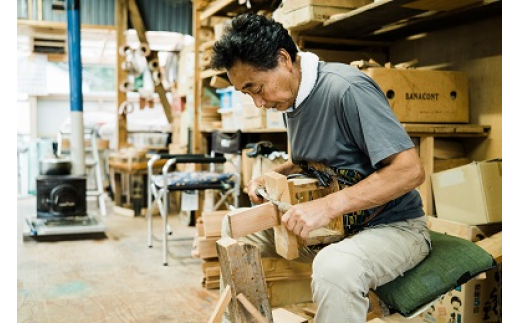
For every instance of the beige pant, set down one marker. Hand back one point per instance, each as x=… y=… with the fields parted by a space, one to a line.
x=345 y=271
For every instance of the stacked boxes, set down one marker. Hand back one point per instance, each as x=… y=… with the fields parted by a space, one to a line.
x=288 y=282
x=470 y=194
x=480 y=299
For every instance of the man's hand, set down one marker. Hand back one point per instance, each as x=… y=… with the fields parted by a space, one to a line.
x=251 y=190
x=306 y=217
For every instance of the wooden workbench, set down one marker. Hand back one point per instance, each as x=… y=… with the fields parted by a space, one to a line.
x=128 y=171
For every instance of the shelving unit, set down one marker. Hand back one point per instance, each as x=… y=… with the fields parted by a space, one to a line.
x=388 y=20
x=380 y=24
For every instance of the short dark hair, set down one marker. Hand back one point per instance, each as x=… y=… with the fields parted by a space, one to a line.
x=252 y=39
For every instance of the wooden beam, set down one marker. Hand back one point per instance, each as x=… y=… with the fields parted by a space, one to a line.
x=241 y=269
x=251 y=308
x=40 y=10
x=281 y=315
x=426 y=155
x=197 y=86
x=222 y=304
x=212 y=222
x=493 y=245
x=245 y=221
x=278 y=188
x=62 y=26
x=139 y=27
x=121 y=12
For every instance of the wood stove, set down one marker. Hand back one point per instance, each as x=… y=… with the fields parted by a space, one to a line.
x=61 y=196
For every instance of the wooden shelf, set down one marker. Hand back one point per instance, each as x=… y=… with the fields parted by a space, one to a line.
x=389 y=20
x=446 y=130
x=272 y=130
x=226 y=7
x=209 y=73
x=215 y=7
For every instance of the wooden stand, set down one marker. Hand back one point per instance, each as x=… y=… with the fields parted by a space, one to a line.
x=245 y=294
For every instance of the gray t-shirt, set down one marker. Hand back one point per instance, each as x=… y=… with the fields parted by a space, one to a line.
x=347 y=123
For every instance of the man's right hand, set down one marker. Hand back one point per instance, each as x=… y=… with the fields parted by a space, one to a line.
x=252 y=186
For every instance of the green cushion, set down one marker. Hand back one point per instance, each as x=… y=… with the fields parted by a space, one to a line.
x=452 y=262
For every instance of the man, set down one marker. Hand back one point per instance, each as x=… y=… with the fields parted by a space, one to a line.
x=337 y=117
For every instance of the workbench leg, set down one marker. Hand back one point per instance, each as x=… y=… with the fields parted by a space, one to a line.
x=426 y=154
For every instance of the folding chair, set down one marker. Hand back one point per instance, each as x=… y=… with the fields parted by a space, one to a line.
x=224 y=149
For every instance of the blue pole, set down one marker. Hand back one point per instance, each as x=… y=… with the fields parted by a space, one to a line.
x=75 y=85
x=74 y=42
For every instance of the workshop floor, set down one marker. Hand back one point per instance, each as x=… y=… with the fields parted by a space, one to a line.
x=112 y=279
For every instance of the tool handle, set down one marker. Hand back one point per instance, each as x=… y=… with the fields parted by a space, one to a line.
x=282 y=206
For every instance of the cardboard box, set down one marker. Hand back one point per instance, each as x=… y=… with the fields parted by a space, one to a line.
x=232 y=99
x=424 y=96
x=274 y=119
x=252 y=123
x=470 y=194
x=263 y=164
x=250 y=111
x=477 y=301
x=469 y=232
x=231 y=119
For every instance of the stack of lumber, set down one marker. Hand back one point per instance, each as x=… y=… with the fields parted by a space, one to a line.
x=210 y=118
x=288 y=282
x=205 y=246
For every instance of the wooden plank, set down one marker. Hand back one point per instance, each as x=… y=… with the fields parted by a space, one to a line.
x=159 y=89
x=241 y=269
x=251 y=309
x=196 y=137
x=365 y=19
x=470 y=129
x=207 y=247
x=337 y=41
x=207 y=264
x=214 y=7
x=122 y=25
x=375 y=308
x=311 y=309
x=324 y=236
x=139 y=27
x=305 y=185
x=444 y=130
x=223 y=302
x=278 y=188
x=443 y=164
x=244 y=221
x=277 y=268
x=441 y=128
x=426 y=154
x=213 y=272
x=493 y=245
x=212 y=222
x=281 y=315
x=210 y=73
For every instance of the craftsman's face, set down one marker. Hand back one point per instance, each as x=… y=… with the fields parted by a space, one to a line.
x=273 y=89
